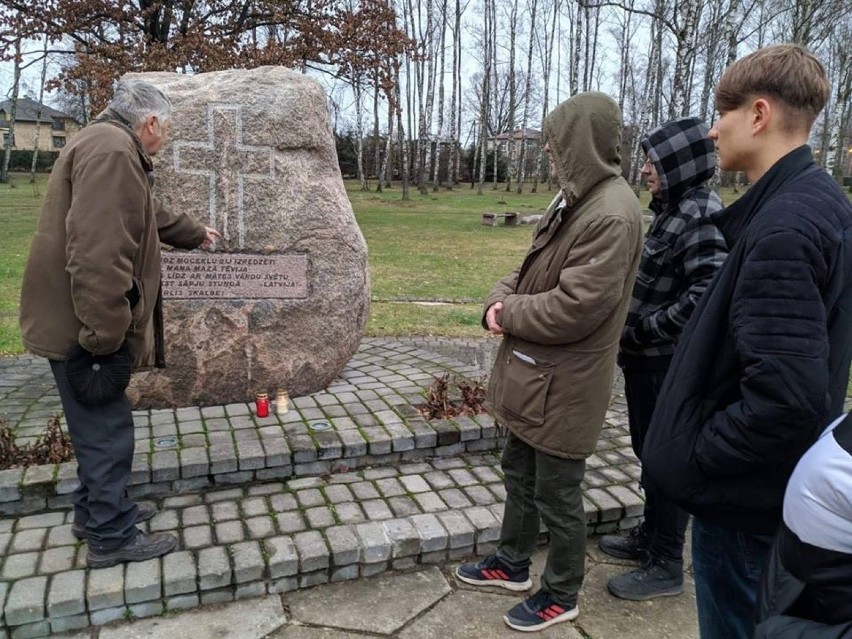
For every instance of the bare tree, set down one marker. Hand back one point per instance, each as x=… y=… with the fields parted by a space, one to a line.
x=37 y=136
x=545 y=51
x=522 y=160
x=513 y=94
x=437 y=164
x=13 y=112
x=486 y=79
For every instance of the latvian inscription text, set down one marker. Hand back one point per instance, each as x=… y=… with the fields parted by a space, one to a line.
x=234 y=276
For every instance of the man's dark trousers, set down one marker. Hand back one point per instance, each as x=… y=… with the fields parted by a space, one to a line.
x=103 y=443
x=542 y=487
x=665 y=523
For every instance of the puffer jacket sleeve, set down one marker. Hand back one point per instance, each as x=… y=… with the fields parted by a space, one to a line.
x=779 y=329
x=103 y=229
x=591 y=284
x=794 y=628
x=178 y=229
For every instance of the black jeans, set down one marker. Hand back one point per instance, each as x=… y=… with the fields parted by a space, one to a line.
x=103 y=444
x=544 y=488
x=665 y=522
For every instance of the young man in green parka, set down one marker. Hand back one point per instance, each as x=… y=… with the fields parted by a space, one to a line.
x=560 y=314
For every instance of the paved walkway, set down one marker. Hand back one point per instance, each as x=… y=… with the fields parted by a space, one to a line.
x=351 y=483
x=417 y=604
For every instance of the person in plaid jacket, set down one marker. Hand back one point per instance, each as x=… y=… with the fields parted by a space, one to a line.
x=682 y=252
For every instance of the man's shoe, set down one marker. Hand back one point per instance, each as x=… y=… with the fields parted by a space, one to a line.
x=140 y=548
x=493 y=572
x=144 y=512
x=655 y=578
x=632 y=546
x=539 y=612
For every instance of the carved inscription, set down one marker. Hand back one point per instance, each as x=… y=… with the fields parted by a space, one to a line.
x=234 y=276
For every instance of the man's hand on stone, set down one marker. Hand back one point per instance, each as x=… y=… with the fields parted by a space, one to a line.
x=210 y=237
x=493 y=318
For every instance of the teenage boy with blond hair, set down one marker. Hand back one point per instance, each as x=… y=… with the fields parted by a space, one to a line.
x=764 y=363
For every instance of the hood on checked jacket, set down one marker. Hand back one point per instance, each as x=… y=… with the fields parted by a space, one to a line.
x=683 y=155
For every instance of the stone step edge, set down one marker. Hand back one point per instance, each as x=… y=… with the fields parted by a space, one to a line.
x=75 y=599
x=161 y=473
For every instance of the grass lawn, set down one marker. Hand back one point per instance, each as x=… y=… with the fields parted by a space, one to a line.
x=432 y=248
x=19 y=208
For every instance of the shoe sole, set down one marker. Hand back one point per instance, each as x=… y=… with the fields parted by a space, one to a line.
x=81 y=533
x=95 y=564
x=569 y=615
x=668 y=592
x=622 y=555
x=508 y=585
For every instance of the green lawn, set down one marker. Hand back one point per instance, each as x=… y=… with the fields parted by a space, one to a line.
x=19 y=208
x=432 y=248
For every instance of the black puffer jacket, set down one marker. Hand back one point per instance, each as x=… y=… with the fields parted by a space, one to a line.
x=764 y=361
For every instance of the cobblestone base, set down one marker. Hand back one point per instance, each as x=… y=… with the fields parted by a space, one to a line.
x=273 y=537
x=381 y=489
x=369 y=412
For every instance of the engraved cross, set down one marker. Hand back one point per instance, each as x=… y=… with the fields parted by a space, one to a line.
x=227 y=163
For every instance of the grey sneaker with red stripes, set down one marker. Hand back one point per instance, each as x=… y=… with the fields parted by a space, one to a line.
x=539 y=612
x=491 y=571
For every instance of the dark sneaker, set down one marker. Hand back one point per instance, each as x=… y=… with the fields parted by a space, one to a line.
x=539 y=612
x=493 y=572
x=142 y=547
x=144 y=512
x=632 y=546
x=655 y=578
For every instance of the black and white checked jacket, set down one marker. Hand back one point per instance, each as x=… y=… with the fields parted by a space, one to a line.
x=683 y=248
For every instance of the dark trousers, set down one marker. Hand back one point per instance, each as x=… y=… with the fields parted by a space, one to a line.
x=728 y=566
x=544 y=488
x=665 y=522
x=102 y=437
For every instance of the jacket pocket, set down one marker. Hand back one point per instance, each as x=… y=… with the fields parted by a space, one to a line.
x=654 y=258
x=523 y=393
x=136 y=298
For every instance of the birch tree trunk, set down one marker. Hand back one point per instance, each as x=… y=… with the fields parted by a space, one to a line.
x=13 y=112
x=546 y=55
x=577 y=25
x=37 y=137
x=624 y=42
x=486 y=78
x=429 y=101
x=377 y=151
x=410 y=87
x=359 y=132
x=436 y=182
x=455 y=133
x=513 y=96
x=522 y=160
x=494 y=83
x=383 y=172
x=403 y=140
x=647 y=104
x=688 y=13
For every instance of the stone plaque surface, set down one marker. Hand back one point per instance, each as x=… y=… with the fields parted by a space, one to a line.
x=251 y=153
x=234 y=276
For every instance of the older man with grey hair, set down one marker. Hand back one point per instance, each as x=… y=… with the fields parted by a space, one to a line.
x=89 y=298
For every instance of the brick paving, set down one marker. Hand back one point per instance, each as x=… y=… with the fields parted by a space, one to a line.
x=274 y=505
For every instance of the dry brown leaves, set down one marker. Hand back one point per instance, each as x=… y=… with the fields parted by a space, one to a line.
x=444 y=403
x=52 y=447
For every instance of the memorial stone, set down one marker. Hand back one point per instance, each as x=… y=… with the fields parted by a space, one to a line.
x=282 y=301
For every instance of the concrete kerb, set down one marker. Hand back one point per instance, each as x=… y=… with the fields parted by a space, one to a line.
x=341 y=518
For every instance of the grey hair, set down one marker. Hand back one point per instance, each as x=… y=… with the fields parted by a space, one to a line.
x=136 y=101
